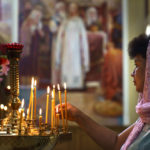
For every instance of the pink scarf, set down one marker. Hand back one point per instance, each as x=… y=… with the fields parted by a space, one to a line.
x=143 y=106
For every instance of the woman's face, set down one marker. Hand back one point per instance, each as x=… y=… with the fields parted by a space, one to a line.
x=138 y=73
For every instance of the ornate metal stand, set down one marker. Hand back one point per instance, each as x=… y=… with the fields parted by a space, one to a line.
x=14 y=56
x=12 y=135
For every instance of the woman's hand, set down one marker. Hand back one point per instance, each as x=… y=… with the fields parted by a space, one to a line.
x=72 y=112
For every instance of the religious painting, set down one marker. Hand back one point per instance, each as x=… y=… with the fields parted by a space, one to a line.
x=35 y=34
x=5 y=36
x=5 y=19
x=74 y=42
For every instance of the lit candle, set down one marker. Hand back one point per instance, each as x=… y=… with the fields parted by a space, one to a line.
x=2 y=109
x=31 y=100
x=57 y=118
x=5 y=108
x=24 y=115
x=40 y=118
x=47 y=103
x=52 y=111
x=65 y=91
x=60 y=100
x=35 y=82
x=54 y=104
x=8 y=87
x=28 y=114
x=2 y=106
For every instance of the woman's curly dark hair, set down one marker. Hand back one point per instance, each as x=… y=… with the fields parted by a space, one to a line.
x=138 y=46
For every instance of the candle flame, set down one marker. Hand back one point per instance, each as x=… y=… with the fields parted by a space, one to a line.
x=2 y=106
x=65 y=86
x=58 y=87
x=27 y=111
x=53 y=86
x=19 y=110
x=147 y=32
x=52 y=94
x=5 y=108
x=8 y=87
x=35 y=83
x=22 y=103
x=24 y=115
x=32 y=82
x=40 y=111
x=57 y=109
x=48 y=90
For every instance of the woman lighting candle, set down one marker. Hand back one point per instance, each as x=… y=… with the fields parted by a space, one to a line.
x=47 y=103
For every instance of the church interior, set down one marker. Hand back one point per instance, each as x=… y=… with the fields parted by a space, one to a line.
x=78 y=46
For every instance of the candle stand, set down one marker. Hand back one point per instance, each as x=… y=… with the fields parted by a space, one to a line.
x=18 y=133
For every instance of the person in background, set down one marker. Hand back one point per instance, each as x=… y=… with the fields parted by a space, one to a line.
x=92 y=21
x=72 y=52
x=54 y=24
x=112 y=72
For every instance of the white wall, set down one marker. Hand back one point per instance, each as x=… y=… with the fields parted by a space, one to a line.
x=134 y=23
x=15 y=23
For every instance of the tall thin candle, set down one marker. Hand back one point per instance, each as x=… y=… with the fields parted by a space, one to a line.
x=35 y=82
x=60 y=101
x=52 y=111
x=57 y=118
x=40 y=118
x=54 y=104
x=31 y=98
x=47 y=103
x=65 y=92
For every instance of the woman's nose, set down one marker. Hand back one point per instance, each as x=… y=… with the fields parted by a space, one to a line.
x=133 y=73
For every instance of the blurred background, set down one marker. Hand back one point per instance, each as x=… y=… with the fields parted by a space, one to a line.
x=83 y=43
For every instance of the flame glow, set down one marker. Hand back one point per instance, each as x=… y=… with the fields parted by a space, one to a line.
x=52 y=94
x=22 y=103
x=57 y=109
x=147 y=32
x=32 y=82
x=27 y=111
x=53 y=86
x=65 y=86
x=8 y=87
x=40 y=111
x=48 y=90
x=24 y=115
x=2 y=106
x=58 y=87
x=5 y=108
